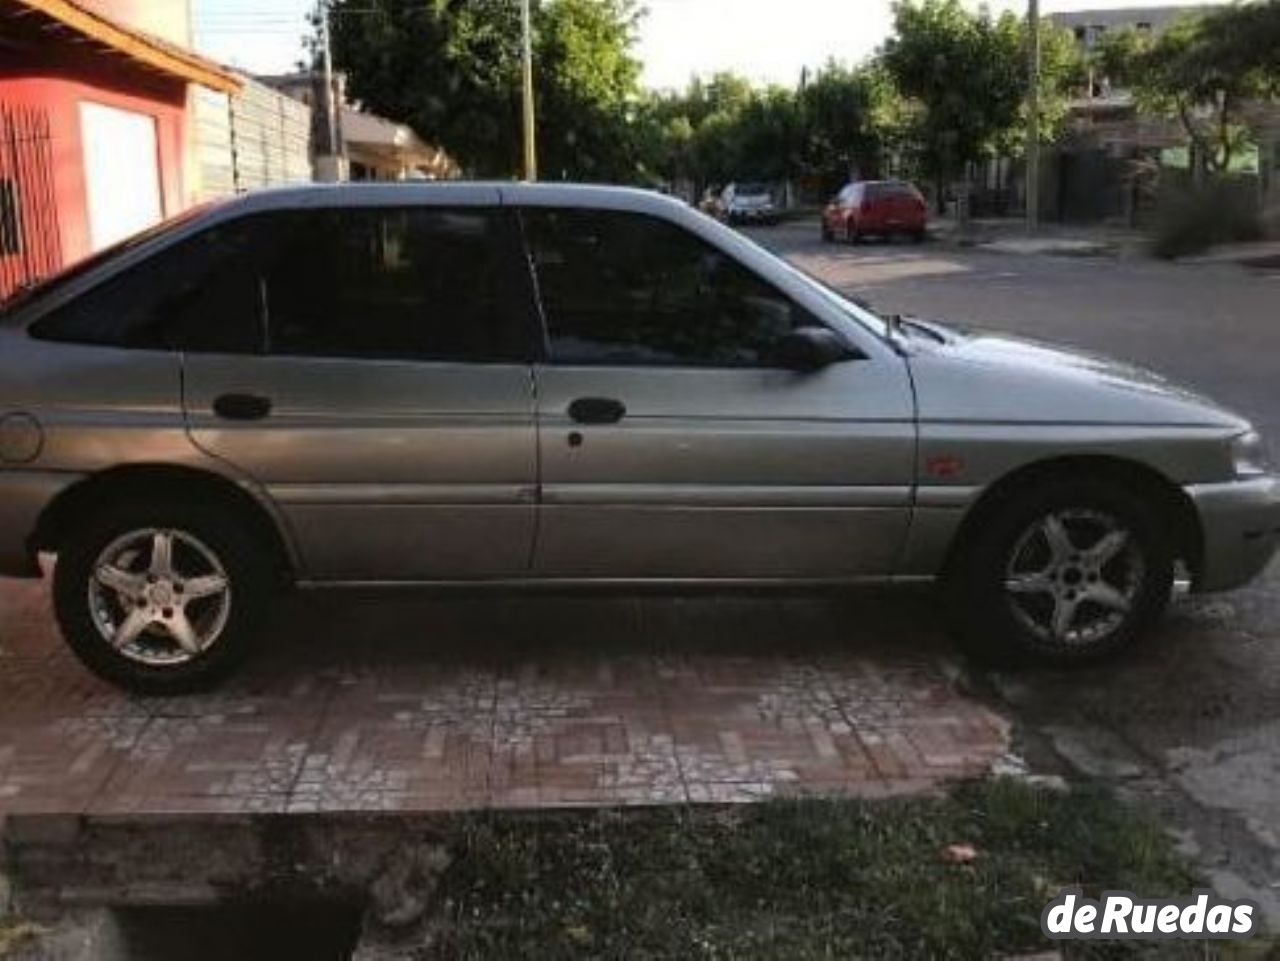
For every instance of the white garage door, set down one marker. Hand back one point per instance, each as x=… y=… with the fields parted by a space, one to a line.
x=122 y=169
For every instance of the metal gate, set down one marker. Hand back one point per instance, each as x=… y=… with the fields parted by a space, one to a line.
x=30 y=245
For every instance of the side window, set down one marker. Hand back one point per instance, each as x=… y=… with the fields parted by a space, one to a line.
x=200 y=294
x=631 y=290
x=420 y=283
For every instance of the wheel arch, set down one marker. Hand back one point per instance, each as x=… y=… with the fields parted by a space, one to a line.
x=77 y=502
x=1135 y=476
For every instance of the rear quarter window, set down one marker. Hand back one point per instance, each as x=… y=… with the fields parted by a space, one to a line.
x=201 y=294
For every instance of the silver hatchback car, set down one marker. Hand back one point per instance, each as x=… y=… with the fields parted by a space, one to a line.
x=549 y=385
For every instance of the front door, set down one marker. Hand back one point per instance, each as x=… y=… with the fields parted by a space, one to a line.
x=386 y=405
x=673 y=445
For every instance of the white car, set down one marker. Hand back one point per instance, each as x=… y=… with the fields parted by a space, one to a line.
x=748 y=203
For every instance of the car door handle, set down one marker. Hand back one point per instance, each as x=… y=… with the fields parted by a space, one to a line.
x=597 y=410
x=241 y=406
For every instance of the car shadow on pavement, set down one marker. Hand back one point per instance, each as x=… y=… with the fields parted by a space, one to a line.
x=404 y=701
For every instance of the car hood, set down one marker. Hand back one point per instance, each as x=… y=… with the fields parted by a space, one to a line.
x=970 y=374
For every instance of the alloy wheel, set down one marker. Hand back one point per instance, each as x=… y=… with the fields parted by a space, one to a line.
x=159 y=597
x=1074 y=576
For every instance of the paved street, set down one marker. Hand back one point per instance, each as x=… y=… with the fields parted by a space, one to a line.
x=1191 y=720
x=1214 y=326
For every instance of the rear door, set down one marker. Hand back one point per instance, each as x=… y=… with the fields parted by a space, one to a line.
x=382 y=392
x=672 y=446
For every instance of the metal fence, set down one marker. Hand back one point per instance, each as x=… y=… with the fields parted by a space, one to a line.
x=257 y=138
x=30 y=245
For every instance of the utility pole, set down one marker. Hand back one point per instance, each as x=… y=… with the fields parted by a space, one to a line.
x=332 y=149
x=1033 y=116
x=530 y=130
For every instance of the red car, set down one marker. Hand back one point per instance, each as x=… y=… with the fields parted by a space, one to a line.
x=879 y=207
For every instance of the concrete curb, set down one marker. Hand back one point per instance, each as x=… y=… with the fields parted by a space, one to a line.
x=1264 y=254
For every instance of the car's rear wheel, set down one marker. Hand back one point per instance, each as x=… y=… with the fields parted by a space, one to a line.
x=1069 y=571
x=162 y=597
x=852 y=234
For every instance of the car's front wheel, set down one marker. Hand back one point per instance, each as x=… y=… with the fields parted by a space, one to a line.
x=1069 y=572
x=162 y=597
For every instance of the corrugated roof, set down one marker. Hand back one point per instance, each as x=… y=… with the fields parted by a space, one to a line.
x=141 y=47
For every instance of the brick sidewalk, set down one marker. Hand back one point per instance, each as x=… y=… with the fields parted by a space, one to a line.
x=410 y=703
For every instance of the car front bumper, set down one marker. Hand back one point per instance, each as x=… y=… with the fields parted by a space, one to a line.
x=1240 y=524
x=753 y=213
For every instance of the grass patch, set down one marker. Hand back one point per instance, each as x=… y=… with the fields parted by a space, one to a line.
x=800 y=879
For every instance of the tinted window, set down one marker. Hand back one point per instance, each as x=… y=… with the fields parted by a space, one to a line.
x=417 y=282
x=627 y=289
x=200 y=294
x=81 y=267
x=899 y=191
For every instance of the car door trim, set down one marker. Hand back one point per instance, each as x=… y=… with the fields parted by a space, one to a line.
x=728 y=496
x=401 y=494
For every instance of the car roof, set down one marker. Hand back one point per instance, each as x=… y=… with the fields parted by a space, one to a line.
x=456 y=192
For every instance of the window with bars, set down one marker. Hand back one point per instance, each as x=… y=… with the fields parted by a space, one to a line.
x=10 y=218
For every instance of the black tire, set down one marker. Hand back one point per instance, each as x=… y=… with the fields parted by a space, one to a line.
x=917 y=236
x=995 y=622
x=852 y=235
x=826 y=234
x=223 y=532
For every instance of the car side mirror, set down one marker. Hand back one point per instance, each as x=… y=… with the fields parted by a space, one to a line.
x=810 y=349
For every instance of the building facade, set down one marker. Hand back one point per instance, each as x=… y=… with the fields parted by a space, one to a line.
x=368 y=147
x=93 y=127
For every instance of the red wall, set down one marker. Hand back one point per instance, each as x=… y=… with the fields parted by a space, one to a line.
x=57 y=79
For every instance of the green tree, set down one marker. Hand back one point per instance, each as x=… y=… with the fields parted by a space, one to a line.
x=451 y=69
x=722 y=129
x=1204 y=72
x=588 y=86
x=1245 y=39
x=849 y=116
x=839 y=138
x=967 y=72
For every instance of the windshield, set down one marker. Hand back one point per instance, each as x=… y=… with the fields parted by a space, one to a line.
x=752 y=190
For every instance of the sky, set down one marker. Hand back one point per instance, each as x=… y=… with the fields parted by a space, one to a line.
x=766 y=40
